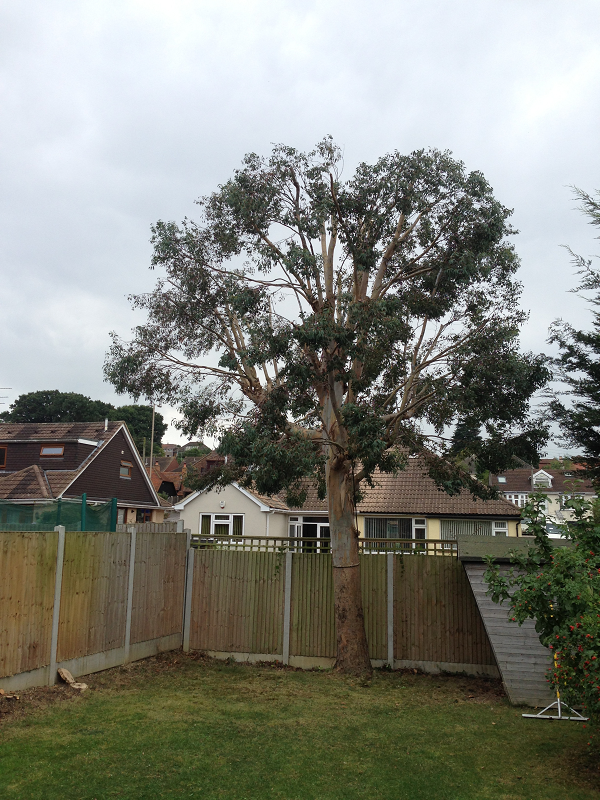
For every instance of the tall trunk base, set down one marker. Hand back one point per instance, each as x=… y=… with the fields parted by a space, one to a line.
x=352 y=650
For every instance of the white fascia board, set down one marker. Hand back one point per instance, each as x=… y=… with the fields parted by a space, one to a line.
x=138 y=459
x=250 y=496
x=136 y=456
x=180 y=506
x=309 y=513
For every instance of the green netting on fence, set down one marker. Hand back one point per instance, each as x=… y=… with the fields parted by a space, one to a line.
x=75 y=515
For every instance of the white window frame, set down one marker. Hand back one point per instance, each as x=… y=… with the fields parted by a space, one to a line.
x=544 y=478
x=418 y=524
x=497 y=527
x=229 y=522
x=519 y=499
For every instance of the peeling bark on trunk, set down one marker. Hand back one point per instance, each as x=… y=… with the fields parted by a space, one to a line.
x=352 y=650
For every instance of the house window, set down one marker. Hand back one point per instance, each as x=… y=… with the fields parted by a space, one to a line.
x=501 y=479
x=143 y=515
x=451 y=528
x=518 y=499
x=120 y=516
x=542 y=479
x=125 y=469
x=395 y=528
x=52 y=451
x=3 y=457
x=222 y=525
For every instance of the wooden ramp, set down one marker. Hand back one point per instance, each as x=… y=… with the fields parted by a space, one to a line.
x=521 y=659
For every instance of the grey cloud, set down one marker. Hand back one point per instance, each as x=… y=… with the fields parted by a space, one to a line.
x=116 y=114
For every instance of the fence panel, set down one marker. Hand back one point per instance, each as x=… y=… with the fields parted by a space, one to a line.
x=313 y=623
x=94 y=593
x=148 y=527
x=27 y=573
x=158 y=585
x=435 y=615
x=237 y=602
x=373 y=575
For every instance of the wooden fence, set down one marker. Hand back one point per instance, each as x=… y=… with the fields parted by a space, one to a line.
x=86 y=601
x=89 y=601
x=257 y=605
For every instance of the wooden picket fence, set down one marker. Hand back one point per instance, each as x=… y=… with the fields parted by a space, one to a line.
x=277 y=604
x=89 y=601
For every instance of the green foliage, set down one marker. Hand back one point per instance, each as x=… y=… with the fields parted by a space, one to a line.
x=55 y=406
x=578 y=364
x=346 y=319
x=559 y=588
x=195 y=452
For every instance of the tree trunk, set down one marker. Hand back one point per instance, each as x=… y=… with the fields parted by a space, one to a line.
x=352 y=650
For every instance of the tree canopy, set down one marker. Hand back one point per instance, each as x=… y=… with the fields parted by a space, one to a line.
x=325 y=329
x=578 y=363
x=55 y=406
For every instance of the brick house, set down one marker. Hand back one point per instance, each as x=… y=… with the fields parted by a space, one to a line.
x=51 y=461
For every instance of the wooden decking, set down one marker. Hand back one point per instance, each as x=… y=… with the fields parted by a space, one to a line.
x=521 y=659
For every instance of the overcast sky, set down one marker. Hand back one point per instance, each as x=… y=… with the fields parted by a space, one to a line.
x=116 y=114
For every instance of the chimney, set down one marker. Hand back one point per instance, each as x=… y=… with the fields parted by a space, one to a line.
x=106 y=423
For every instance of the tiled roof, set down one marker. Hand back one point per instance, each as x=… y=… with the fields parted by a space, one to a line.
x=25 y=484
x=312 y=502
x=519 y=480
x=158 y=477
x=33 y=482
x=197 y=462
x=164 y=462
x=56 y=431
x=272 y=502
x=59 y=479
x=413 y=492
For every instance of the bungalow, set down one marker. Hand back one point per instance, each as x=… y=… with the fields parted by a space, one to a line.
x=42 y=462
x=405 y=506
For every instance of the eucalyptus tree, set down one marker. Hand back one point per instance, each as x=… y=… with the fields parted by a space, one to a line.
x=325 y=329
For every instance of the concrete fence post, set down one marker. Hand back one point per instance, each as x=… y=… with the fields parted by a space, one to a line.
x=287 y=607
x=390 y=610
x=60 y=558
x=189 y=585
x=133 y=532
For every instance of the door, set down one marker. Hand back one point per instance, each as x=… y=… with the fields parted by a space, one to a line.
x=316 y=529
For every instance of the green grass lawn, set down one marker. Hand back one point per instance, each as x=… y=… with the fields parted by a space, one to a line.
x=179 y=727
